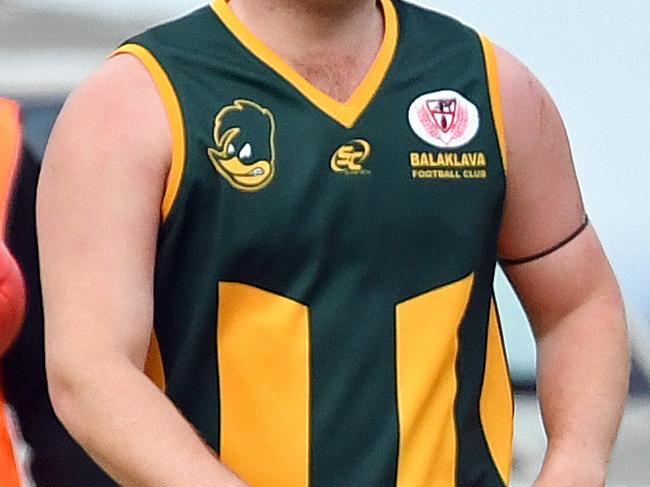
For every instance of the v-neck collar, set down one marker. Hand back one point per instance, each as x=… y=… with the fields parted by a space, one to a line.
x=345 y=113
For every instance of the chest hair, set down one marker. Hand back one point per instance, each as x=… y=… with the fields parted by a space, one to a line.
x=336 y=76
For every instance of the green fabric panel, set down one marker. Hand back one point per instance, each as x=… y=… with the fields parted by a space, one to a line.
x=350 y=246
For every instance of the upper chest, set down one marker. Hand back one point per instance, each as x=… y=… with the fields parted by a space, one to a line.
x=338 y=77
x=269 y=170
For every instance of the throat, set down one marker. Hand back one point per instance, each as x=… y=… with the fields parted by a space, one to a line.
x=333 y=49
x=336 y=76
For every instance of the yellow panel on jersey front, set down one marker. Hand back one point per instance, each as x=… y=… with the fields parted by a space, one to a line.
x=496 y=400
x=427 y=347
x=263 y=353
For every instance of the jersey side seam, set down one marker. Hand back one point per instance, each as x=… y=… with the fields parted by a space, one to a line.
x=504 y=474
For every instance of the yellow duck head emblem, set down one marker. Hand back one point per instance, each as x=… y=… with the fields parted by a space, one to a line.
x=244 y=134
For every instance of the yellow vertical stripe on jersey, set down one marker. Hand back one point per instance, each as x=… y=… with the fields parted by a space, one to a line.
x=153 y=366
x=10 y=147
x=174 y=117
x=496 y=406
x=494 y=86
x=427 y=347
x=346 y=113
x=264 y=379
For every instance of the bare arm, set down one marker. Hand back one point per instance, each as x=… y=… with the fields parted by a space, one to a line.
x=97 y=216
x=570 y=295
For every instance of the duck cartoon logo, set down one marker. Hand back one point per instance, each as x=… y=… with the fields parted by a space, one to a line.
x=244 y=134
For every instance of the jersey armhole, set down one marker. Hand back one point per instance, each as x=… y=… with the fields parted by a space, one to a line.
x=175 y=118
x=494 y=88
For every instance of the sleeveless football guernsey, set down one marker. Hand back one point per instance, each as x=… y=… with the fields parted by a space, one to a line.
x=324 y=312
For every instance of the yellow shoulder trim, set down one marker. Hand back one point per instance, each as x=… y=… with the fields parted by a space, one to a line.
x=344 y=113
x=495 y=97
x=10 y=148
x=175 y=118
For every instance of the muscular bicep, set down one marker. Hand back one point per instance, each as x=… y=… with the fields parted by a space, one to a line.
x=543 y=203
x=98 y=211
x=544 y=217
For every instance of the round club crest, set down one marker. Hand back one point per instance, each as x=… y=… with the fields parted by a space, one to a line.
x=444 y=119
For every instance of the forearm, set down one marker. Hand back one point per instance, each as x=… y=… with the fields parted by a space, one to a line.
x=131 y=429
x=583 y=369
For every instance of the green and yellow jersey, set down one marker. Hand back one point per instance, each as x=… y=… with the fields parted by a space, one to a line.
x=324 y=312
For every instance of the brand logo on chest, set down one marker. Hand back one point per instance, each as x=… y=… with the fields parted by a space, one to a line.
x=351 y=157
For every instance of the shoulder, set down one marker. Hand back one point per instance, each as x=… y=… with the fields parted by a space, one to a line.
x=529 y=112
x=543 y=202
x=117 y=109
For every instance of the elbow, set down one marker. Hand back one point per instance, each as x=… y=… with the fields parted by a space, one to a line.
x=75 y=387
x=65 y=388
x=82 y=386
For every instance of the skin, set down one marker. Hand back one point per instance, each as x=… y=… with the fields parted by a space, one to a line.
x=109 y=174
x=314 y=37
x=98 y=302
x=571 y=296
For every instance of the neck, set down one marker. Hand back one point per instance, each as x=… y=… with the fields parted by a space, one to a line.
x=331 y=43
x=289 y=25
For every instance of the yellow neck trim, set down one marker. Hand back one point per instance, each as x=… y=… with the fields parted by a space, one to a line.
x=346 y=113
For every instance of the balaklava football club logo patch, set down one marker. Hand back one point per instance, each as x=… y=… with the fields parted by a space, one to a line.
x=444 y=119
